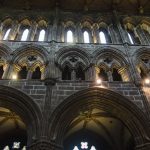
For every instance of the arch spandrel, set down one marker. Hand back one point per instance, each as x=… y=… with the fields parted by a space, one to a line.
x=105 y=100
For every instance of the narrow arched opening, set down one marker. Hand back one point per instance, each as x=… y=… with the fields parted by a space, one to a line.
x=116 y=76
x=22 y=74
x=103 y=75
x=80 y=75
x=36 y=73
x=66 y=73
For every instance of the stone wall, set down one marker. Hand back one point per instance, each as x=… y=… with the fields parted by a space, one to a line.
x=63 y=89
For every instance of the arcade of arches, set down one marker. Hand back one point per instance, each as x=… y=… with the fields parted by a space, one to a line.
x=75 y=75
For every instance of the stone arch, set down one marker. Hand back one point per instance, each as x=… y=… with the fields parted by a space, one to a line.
x=30 y=56
x=142 y=60
x=112 y=58
x=109 y=51
x=96 y=97
x=5 y=50
x=31 y=48
x=25 y=107
x=72 y=51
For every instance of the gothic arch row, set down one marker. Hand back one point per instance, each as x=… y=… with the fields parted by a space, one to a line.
x=109 y=63
x=135 y=32
x=90 y=105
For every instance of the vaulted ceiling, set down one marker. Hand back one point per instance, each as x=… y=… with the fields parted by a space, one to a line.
x=79 y=5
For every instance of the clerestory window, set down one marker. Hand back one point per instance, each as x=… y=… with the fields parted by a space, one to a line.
x=41 y=35
x=86 y=37
x=69 y=36
x=25 y=35
x=102 y=37
x=6 y=34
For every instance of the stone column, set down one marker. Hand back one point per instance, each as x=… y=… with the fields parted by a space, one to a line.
x=122 y=33
x=73 y=75
x=79 y=33
x=32 y=32
x=9 y=71
x=124 y=74
x=95 y=34
x=29 y=74
x=109 y=74
x=6 y=69
x=141 y=35
x=14 y=30
x=1 y=30
x=49 y=32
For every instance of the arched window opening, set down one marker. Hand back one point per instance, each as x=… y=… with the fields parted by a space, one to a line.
x=36 y=74
x=116 y=76
x=86 y=37
x=130 y=38
x=133 y=38
x=103 y=75
x=66 y=73
x=6 y=34
x=1 y=72
x=102 y=37
x=41 y=35
x=25 y=35
x=80 y=75
x=142 y=74
x=69 y=36
x=22 y=74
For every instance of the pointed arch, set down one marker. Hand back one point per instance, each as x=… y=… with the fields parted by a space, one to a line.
x=25 y=107
x=104 y=99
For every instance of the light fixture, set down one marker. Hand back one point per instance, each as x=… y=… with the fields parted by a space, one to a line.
x=99 y=81
x=14 y=76
x=147 y=81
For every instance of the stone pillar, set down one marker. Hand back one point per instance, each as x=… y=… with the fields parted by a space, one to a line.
x=9 y=71
x=141 y=35
x=122 y=33
x=79 y=34
x=14 y=30
x=109 y=74
x=124 y=74
x=1 y=30
x=32 y=32
x=49 y=32
x=6 y=69
x=29 y=74
x=42 y=69
x=95 y=34
x=73 y=75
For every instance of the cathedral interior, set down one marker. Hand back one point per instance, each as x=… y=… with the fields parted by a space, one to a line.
x=75 y=74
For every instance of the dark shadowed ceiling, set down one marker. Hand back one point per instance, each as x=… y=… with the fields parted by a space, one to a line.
x=79 y=5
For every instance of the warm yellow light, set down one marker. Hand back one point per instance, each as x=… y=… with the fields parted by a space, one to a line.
x=147 y=81
x=99 y=81
x=14 y=76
